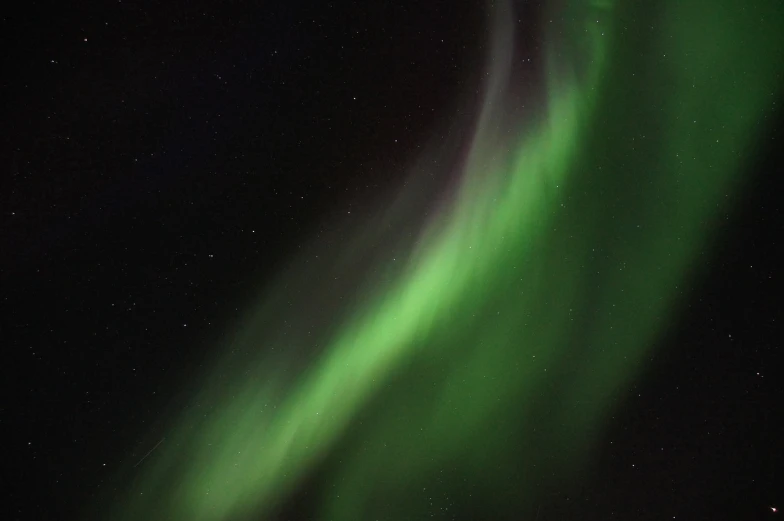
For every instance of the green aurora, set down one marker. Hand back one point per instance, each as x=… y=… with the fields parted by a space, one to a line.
x=526 y=306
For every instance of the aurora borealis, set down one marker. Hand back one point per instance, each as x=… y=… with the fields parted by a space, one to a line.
x=503 y=299
x=470 y=360
x=538 y=290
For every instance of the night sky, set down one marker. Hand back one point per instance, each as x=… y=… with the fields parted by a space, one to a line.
x=203 y=198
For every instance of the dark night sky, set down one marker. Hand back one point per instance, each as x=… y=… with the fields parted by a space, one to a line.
x=164 y=161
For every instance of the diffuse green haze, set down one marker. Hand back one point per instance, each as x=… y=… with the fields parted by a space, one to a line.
x=524 y=308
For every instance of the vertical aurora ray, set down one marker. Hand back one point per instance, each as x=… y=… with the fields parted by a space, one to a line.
x=524 y=306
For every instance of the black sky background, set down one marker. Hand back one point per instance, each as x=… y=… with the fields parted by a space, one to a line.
x=163 y=162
